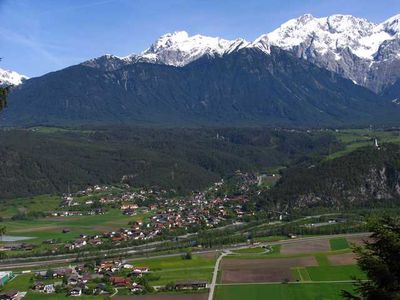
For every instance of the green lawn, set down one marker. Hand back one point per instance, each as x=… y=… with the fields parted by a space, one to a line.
x=51 y=228
x=20 y=283
x=175 y=262
x=300 y=274
x=201 y=273
x=333 y=273
x=309 y=291
x=322 y=259
x=339 y=244
x=175 y=268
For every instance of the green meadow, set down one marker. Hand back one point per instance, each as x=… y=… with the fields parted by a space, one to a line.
x=338 y=244
x=323 y=291
x=51 y=227
x=174 y=268
x=356 y=138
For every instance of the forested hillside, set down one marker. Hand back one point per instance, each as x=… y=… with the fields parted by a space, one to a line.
x=244 y=88
x=368 y=177
x=49 y=160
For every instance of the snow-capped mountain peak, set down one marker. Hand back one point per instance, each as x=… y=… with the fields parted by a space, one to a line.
x=179 y=49
x=327 y=34
x=350 y=46
x=262 y=43
x=8 y=78
x=391 y=25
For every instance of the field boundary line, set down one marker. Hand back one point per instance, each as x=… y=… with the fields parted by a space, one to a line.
x=293 y=282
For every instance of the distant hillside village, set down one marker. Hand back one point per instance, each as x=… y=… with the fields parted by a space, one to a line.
x=156 y=212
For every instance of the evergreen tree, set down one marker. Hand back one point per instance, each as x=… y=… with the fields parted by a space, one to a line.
x=380 y=260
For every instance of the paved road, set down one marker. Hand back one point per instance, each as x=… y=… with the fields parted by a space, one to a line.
x=26 y=265
x=215 y=274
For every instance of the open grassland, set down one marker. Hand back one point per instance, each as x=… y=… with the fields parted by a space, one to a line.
x=51 y=227
x=175 y=262
x=166 y=276
x=321 y=291
x=183 y=296
x=356 y=138
x=334 y=273
x=339 y=244
x=42 y=203
x=171 y=269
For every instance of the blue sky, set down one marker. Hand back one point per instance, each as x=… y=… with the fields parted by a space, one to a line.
x=39 y=36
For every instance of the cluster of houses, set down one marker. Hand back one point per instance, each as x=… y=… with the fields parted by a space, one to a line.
x=17 y=247
x=102 y=280
x=169 y=214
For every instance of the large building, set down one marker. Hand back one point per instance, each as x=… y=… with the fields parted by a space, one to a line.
x=5 y=277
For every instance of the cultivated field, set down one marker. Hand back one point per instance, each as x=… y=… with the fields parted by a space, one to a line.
x=262 y=270
x=306 y=247
x=342 y=259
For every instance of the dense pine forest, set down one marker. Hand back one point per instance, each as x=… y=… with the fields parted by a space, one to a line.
x=49 y=160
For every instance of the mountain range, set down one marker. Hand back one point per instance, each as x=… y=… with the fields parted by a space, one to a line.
x=354 y=47
x=336 y=70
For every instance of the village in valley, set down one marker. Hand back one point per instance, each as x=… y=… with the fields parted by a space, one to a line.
x=119 y=241
x=151 y=214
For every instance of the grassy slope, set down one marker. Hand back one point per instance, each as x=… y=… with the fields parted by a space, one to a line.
x=356 y=138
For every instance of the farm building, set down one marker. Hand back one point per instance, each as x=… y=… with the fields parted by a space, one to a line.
x=195 y=284
x=5 y=277
x=11 y=295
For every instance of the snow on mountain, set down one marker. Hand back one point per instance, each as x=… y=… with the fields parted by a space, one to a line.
x=357 y=49
x=334 y=34
x=391 y=25
x=8 y=77
x=326 y=35
x=179 y=49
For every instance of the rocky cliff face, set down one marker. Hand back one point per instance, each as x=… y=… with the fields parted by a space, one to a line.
x=364 y=178
x=357 y=49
